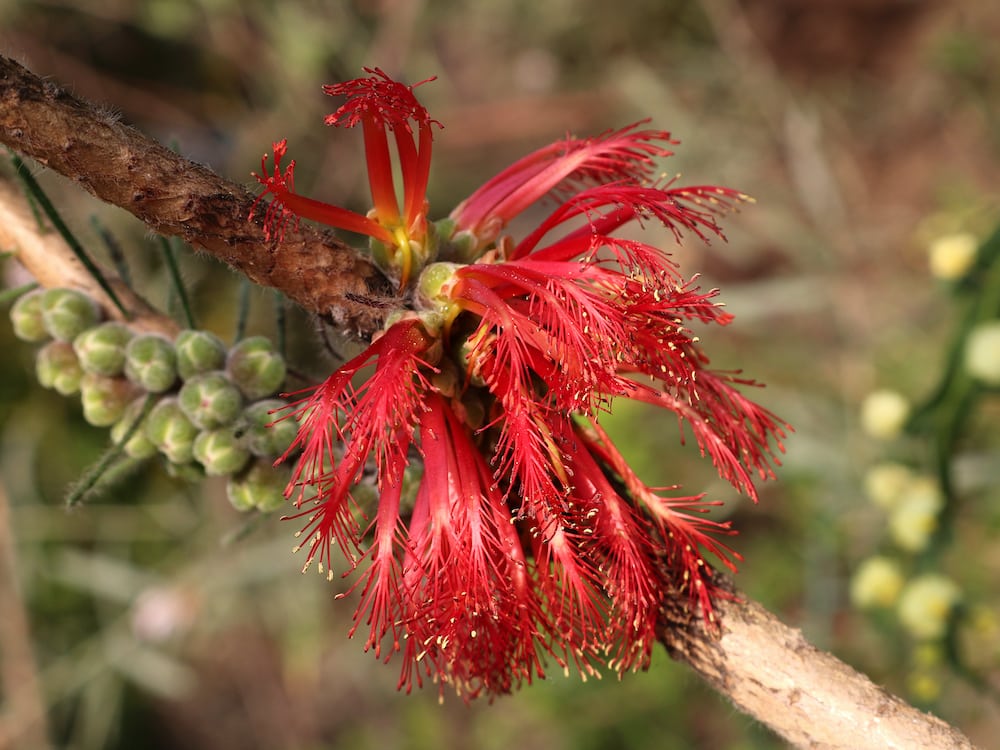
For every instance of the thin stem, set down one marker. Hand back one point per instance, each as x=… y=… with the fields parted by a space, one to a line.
x=39 y=196
x=177 y=284
x=242 y=310
x=115 y=251
x=110 y=459
x=22 y=722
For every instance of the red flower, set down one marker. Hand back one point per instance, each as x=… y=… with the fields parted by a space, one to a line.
x=380 y=105
x=527 y=533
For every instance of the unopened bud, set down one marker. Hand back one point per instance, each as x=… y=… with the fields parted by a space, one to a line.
x=67 y=313
x=210 y=400
x=256 y=368
x=57 y=367
x=104 y=399
x=26 y=317
x=151 y=362
x=220 y=452
x=169 y=429
x=264 y=436
x=197 y=352
x=101 y=349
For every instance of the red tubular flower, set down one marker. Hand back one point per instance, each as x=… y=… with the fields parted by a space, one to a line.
x=380 y=105
x=527 y=534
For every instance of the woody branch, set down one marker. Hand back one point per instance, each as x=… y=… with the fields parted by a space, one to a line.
x=765 y=668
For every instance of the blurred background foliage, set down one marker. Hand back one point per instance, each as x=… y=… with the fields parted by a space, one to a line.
x=864 y=129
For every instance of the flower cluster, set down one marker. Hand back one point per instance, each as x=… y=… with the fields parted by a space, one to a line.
x=527 y=536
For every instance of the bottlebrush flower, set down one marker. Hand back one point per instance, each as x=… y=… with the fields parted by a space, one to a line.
x=527 y=536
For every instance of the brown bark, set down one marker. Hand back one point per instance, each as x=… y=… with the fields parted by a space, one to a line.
x=808 y=696
x=767 y=669
x=177 y=197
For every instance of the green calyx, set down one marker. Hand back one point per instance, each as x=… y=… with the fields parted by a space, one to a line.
x=101 y=350
x=66 y=313
x=255 y=367
x=198 y=352
x=57 y=367
x=151 y=362
x=170 y=430
x=210 y=400
x=262 y=434
x=26 y=317
x=104 y=398
x=220 y=451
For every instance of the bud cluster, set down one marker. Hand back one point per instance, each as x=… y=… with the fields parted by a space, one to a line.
x=213 y=408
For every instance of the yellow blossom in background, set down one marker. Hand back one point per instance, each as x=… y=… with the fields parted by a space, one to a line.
x=914 y=517
x=876 y=583
x=926 y=604
x=923 y=686
x=950 y=256
x=886 y=482
x=883 y=414
x=982 y=353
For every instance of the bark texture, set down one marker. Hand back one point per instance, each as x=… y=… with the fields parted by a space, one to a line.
x=767 y=669
x=175 y=196
x=808 y=696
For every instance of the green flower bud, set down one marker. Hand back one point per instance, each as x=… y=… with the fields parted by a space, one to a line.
x=210 y=400
x=57 y=367
x=102 y=349
x=139 y=445
x=26 y=317
x=197 y=352
x=169 y=429
x=67 y=313
x=220 y=452
x=262 y=486
x=434 y=285
x=104 y=399
x=261 y=439
x=982 y=353
x=151 y=362
x=256 y=368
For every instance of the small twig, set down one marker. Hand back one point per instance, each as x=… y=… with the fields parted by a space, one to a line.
x=809 y=697
x=22 y=720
